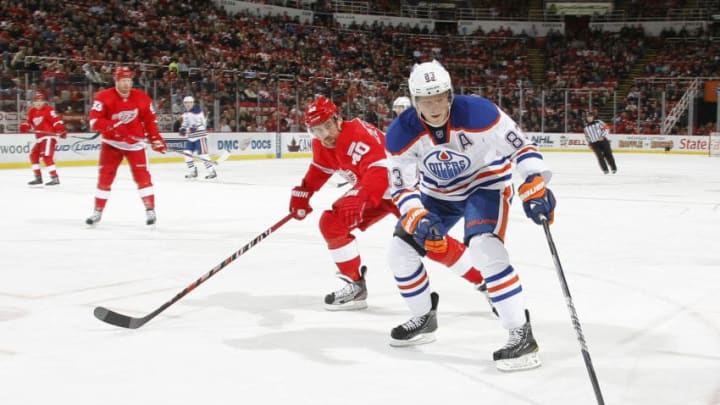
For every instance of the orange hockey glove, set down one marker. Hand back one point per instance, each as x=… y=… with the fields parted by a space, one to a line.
x=426 y=229
x=538 y=201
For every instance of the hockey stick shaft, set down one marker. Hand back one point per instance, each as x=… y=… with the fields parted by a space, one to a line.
x=190 y=155
x=124 y=321
x=86 y=138
x=97 y=133
x=573 y=314
x=40 y=131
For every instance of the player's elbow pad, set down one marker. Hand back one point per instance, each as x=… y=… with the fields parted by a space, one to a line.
x=375 y=183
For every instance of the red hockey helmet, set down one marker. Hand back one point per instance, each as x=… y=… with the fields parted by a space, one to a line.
x=319 y=111
x=123 y=72
x=38 y=97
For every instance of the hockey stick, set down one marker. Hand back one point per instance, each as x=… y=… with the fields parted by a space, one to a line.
x=573 y=314
x=89 y=138
x=86 y=138
x=40 y=131
x=124 y=321
x=223 y=156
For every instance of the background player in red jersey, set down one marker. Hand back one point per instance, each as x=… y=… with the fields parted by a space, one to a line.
x=126 y=118
x=47 y=125
x=355 y=150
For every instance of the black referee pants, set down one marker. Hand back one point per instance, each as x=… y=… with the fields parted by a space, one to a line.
x=604 y=155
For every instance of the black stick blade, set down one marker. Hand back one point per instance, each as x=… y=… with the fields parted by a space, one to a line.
x=114 y=318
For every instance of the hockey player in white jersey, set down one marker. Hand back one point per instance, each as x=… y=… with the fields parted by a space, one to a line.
x=400 y=104
x=463 y=150
x=194 y=128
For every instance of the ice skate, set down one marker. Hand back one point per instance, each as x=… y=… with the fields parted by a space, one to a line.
x=482 y=287
x=521 y=350
x=54 y=181
x=419 y=329
x=94 y=218
x=151 y=217
x=192 y=174
x=37 y=182
x=211 y=175
x=351 y=297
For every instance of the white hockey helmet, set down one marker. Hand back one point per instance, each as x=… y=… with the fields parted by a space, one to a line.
x=428 y=79
x=189 y=99
x=401 y=102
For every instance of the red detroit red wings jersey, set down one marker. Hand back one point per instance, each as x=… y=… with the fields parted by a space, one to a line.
x=136 y=112
x=45 y=121
x=359 y=148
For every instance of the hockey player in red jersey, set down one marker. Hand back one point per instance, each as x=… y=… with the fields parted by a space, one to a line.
x=47 y=125
x=126 y=119
x=355 y=150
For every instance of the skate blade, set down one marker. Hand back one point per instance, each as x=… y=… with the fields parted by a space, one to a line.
x=348 y=306
x=421 y=339
x=525 y=362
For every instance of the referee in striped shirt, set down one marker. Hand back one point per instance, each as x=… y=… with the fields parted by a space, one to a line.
x=596 y=133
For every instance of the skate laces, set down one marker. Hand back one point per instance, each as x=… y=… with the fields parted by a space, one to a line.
x=516 y=337
x=349 y=290
x=414 y=323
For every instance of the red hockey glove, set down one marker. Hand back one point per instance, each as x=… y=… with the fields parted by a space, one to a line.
x=63 y=134
x=426 y=229
x=538 y=201
x=300 y=202
x=25 y=128
x=350 y=207
x=158 y=144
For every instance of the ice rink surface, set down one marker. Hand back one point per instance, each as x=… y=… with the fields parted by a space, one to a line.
x=640 y=252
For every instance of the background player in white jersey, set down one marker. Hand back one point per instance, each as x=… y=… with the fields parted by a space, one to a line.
x=354 y=149
x=400 y=104
x=194 y=127
x=464 y=149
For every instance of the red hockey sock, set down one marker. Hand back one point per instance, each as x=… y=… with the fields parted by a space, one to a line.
x=350 y=268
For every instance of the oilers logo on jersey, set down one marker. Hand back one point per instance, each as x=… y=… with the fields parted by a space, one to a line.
x=446 y=164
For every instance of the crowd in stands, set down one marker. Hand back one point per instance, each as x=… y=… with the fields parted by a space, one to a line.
x=257 y=73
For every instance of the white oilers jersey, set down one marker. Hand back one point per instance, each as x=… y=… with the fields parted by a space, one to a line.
x=476 y=149
x=194 y=123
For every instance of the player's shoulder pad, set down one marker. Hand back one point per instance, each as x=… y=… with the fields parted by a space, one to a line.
x=138 y=94
x=357 y=130
x=403 y=131
x=473 y=112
